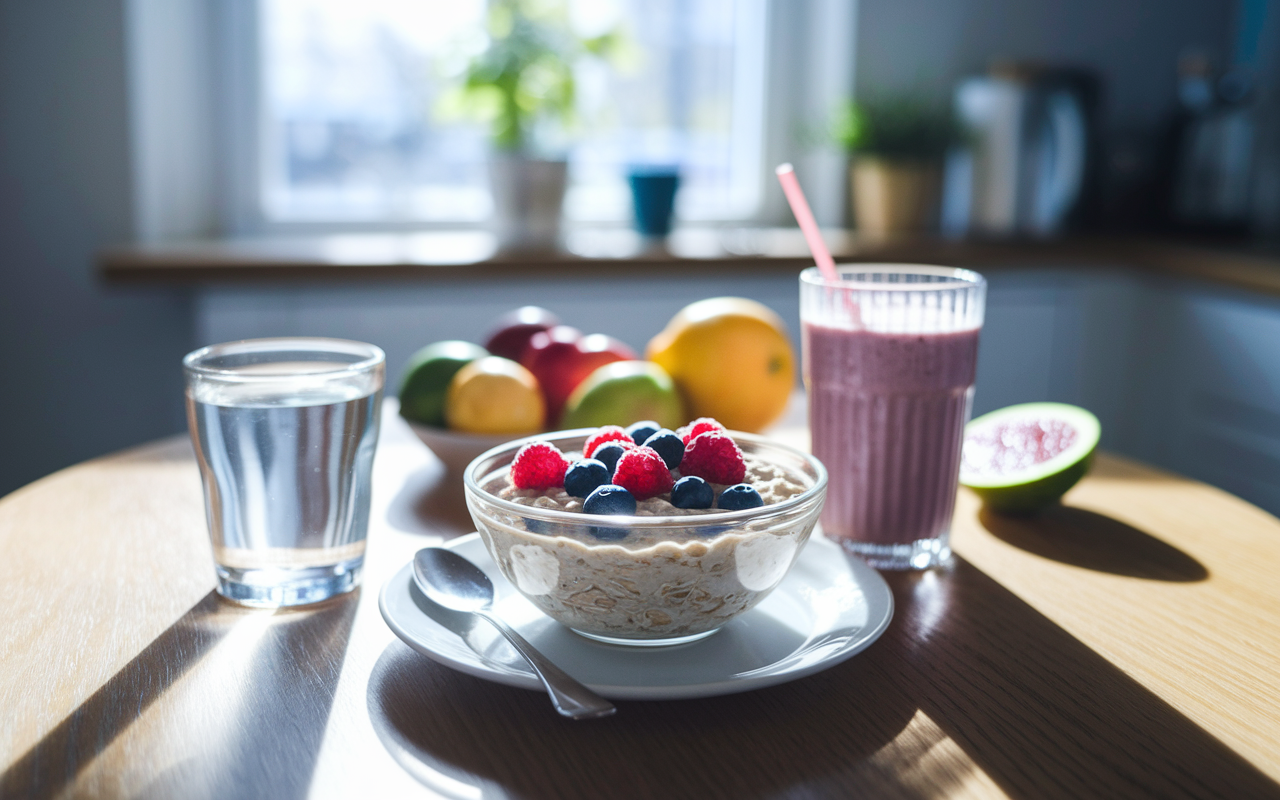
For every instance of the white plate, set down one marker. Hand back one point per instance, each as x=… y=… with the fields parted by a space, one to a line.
x=829 y=607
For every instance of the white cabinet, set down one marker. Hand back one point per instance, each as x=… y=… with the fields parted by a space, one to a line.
x=1182 y=374
x=1208 y=400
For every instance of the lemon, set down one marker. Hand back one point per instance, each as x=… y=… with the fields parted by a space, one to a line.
x=494 y=395
x=730 y=358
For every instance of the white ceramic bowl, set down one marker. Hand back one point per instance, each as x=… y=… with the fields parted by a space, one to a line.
x=454 y=448
x=704 y=570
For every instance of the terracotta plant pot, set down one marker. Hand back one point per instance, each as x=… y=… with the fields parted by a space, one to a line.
x=527 y=197
x=893 y=198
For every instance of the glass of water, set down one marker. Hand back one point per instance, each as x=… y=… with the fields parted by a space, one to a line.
x=285 y=431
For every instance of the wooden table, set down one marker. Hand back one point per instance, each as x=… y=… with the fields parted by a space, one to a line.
x=1124 y=645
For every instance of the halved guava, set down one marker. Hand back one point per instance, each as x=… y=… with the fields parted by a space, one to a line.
x=1022 y=458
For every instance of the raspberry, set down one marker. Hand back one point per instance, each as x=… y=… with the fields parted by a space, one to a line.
x=642 y=472
x=538 y=465
x=714 y=457
x=699 y=426
x=608 y=433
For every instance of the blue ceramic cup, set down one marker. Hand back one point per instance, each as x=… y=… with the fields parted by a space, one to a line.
x=653 y=192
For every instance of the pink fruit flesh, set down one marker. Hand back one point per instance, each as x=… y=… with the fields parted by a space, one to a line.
x=1010 y=447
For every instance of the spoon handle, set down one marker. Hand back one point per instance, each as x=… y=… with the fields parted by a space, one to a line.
x=568 y=695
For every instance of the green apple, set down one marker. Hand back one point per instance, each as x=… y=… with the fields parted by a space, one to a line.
x=622 y=393
x=427 y=376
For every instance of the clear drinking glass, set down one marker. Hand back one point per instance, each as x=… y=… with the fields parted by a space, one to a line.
x=890 y=353
x=285 y=432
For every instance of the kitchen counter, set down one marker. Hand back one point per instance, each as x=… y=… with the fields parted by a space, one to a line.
x=607 y=252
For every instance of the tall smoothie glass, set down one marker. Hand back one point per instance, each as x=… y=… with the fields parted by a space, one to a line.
x=890 y=353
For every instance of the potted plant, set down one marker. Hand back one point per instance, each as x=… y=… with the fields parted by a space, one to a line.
x=897 y=147
x=521 y=82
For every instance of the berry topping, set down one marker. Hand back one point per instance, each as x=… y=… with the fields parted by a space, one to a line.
x=538 y=465
x=607 y=534
x=584 y=476
x=698 y=427
x=642 y=472
x=609 y=433
x=668 y=446
x=609 y=453
x=692 y=492
x=715 y=457
x=609 y=499
x=738 y=497
x=640 y=431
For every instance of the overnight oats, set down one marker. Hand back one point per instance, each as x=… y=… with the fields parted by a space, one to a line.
x=655 y=543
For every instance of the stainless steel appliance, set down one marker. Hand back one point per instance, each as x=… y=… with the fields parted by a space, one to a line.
x=1031 y=143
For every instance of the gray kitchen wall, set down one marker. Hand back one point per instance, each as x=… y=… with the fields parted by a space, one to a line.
x=84 y=369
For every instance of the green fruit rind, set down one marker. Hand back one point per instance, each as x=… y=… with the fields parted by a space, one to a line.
x=427 y=375
x=1045 y=483
x=622 y=393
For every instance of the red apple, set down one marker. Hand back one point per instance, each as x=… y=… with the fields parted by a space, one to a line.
x=560 y=362
x=551 y=344
x=511 y=332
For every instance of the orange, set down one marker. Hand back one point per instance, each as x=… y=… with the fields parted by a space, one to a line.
x=494 y=395
x=731 y=359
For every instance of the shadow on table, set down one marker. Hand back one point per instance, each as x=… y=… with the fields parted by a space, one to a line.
x=268 y=676
x=431 y=502
x=970 y=686
x=1094 y=541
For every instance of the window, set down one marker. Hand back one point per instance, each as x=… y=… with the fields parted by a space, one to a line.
x=350 y=127
x=287 y=117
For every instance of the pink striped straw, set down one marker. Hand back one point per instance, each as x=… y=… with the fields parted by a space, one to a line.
x=808 y=225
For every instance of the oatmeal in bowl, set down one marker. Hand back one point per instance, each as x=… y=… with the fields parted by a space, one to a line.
x=651 y=543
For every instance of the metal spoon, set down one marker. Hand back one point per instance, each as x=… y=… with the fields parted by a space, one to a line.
x=452 y=581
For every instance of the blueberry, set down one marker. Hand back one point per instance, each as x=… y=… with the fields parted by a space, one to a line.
x=545 y=528
x=669 y=446
x=740 y=496
x=608 y=454
x=584 y=476
x=609 y=499
x=692 y=492
x=639 y=431
x=607 y=534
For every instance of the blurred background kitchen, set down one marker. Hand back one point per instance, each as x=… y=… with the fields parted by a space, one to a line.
x=179 y=172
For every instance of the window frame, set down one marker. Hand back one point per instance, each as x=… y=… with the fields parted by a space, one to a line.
x=806 y=67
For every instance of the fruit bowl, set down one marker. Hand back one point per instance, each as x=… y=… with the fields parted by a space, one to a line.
x=678 y=579
x=454 y=448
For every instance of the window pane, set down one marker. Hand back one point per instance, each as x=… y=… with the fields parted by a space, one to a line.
x=348 y=92
x=351 y=93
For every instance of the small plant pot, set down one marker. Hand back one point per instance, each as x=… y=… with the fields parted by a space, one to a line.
x=895 y=198
x=528 y=195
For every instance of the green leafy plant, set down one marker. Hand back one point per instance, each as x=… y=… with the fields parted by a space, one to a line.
x=895 y=129
x=525 y=74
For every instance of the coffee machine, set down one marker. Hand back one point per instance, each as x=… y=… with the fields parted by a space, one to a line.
x=1031 y=145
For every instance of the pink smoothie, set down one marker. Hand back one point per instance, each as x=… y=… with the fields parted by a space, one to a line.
x=887 y=413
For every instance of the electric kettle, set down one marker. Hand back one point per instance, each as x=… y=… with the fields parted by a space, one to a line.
x=1030 y=147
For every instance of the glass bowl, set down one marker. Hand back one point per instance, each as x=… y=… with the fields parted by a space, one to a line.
x=678 y=579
